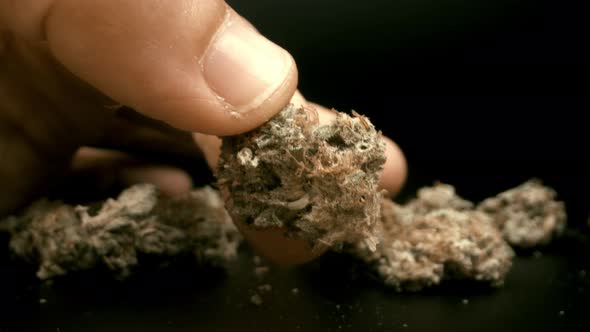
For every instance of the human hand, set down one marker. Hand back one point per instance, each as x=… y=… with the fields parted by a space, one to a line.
x=193 y=64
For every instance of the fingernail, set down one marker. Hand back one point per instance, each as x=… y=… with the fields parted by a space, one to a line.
x=242 y=67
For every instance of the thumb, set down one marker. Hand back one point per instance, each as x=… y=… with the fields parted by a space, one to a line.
x=195 y=64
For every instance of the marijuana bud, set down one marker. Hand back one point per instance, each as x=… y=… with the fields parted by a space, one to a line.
x=528 y=215
x=62 y=238
x=420 y=247
x=317 y=182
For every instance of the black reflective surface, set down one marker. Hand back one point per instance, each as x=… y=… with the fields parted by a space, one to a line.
x=546 y=291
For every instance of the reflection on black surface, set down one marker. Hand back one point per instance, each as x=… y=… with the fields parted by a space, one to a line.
x=543 y=292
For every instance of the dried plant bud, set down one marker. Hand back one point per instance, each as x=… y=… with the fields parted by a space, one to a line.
x=318 y=182
x=63 y=238
x=418 y=250
x=439 y=235
x=439 y=196
x=527 y=215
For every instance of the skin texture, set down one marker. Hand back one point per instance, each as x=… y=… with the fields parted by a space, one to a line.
x=196 y=65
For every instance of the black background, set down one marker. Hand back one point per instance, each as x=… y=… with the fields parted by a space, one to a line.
x=480 y=94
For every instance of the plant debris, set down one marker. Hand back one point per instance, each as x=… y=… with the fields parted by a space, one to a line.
x=319 y=182
x=527 y=215
x=439 y=196
x=420 y=249
x=63 y=238
x=440 y=235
